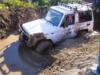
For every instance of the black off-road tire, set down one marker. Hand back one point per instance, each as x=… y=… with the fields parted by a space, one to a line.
x=22 y=42
x=43 y=47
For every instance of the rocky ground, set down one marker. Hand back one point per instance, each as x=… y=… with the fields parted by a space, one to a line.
x=69 y=57
x=74 y=55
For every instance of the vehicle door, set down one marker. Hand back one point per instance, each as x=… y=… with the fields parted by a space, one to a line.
x=68 y=24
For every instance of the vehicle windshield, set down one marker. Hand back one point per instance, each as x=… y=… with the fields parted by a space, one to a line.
x=53 y=17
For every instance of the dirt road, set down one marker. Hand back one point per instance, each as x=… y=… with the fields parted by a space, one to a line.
x=5 y=42
x=67 y=59
x=74 y=55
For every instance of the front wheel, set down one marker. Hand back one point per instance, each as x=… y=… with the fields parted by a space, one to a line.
x=22 y=41
x=43 y=47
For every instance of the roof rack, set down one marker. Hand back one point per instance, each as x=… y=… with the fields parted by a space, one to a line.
x=65 y=5
x=88 y=4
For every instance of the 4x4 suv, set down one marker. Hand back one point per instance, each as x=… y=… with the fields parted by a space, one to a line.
x=60 y=21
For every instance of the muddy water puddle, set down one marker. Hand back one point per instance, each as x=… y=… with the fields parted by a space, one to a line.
x=17 y=60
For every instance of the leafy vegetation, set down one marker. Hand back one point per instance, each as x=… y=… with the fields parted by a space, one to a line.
x=32 y=3
x=2 y=6
x=16 y=3
x=53 y=2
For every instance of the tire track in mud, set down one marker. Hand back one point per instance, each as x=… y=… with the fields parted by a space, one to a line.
x=34 y=59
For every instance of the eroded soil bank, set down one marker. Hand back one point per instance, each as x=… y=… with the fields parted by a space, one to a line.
x=11 y=19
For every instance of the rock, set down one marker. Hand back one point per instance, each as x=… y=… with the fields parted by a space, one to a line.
x=62 y=70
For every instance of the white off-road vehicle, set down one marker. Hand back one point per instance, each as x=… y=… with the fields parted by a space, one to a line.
x=60 y=21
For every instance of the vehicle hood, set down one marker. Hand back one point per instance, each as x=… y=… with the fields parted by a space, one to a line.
x=38 y=26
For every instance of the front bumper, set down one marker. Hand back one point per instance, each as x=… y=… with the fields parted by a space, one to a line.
x=31 y=41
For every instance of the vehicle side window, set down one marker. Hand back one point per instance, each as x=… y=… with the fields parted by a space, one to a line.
x=68 y=20
x=85 y=16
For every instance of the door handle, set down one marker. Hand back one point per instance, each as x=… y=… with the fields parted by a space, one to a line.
x=88 y=24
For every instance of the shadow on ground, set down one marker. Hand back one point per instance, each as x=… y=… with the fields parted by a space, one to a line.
x=70 y=43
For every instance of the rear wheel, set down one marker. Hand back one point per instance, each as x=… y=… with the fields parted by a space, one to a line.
x=43 y=47
x=84 y=34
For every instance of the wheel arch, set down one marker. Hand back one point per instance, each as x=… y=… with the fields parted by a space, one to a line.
x=45 y=40
x=39 y=44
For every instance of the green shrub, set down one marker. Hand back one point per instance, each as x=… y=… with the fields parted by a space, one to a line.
x=18 y=3
x=2 y=6
x=53 y=2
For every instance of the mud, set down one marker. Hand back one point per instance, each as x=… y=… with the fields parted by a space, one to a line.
x=17 y=59
x=6 y=42
x=68 y=57
x=29 y=56
x=74 y=55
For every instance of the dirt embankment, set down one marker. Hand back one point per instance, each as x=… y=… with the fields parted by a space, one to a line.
x=11 y=19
